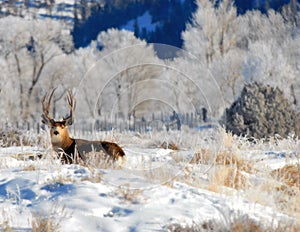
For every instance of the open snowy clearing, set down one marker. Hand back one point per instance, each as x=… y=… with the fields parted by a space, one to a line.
x=156 y=189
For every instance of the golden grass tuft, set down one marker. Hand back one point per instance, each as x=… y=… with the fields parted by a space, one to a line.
x=241 y=223
x=229 y=177
x=128 y=194
x=61 y=179
x=170 y=145
x=5 y=225
x=287 y=190
x=179 y=158
x=29 y=168
x=224 y=157
x=289 y=175
x=41 y=223
x=100 y=160
x=204 y=156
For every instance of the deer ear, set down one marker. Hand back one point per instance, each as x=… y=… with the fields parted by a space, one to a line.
x=68 y=121
x=47 y=121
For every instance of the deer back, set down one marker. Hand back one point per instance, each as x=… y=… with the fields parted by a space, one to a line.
x=110 y=150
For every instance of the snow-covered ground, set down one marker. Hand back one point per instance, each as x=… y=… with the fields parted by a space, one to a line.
x=156 y=189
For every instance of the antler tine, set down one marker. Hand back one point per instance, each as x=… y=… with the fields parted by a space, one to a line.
x=46 y=118
x=71 y=100
x=72 y=103
x=50 y=98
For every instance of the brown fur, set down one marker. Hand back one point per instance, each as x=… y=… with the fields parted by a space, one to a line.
x=64 y=141
x=113 y=149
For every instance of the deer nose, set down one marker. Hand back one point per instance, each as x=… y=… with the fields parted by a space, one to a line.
x=55 y=133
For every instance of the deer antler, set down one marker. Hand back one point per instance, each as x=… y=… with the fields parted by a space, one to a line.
x=72 y=103
x=46 y=118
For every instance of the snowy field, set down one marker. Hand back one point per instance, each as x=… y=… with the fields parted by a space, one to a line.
x=208 y=181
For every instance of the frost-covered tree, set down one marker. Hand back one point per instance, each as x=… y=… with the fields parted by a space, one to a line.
x=263 y=27
x=28 y=47
x=214 y=38
x=214 y=30
x=85 y=59
x=227 y=72
x=235 y=49
x=273 y=52
x=116 y=76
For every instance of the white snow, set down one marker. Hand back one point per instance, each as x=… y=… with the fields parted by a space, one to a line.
x=144 y=21
x=143 y=195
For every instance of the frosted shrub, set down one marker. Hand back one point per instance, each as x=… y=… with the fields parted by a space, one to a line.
x=262 y=112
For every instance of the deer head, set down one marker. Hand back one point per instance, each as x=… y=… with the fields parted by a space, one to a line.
x=58 y=129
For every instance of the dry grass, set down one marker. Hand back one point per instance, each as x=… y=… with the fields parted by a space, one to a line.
x=170 y=145
x=286 y=190
x=61 y=179
x=224 y=157
x=246 y=224
x=237 y=224
x=287 y=201
x=177 y=227
x=96 y=160
x=5 y=226
x=49 y=223
x=275 y=194
x=29 y=168
x=229 y=177
x=204 y=156
x=26 y=156
x=229 y=169
x=289 y=175
x=243 y=224
x=13 y=137
x=127 y=194
x=95 y=176
x=179 y=158
x=158 y=175
x=41 y=224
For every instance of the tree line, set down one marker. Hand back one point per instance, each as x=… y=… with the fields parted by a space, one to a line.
x=222 y=50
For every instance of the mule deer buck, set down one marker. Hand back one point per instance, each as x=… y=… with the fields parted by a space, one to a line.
x=76 y=150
